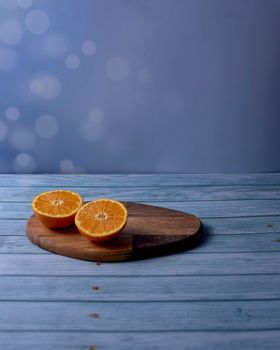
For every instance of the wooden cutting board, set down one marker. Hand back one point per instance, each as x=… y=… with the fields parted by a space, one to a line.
x=150 y=231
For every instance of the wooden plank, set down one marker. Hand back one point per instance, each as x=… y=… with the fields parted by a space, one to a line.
x=155 y=194
x=257 y=340
x=172 y=288
x=217 y=226
x=140 y=316
x=174 y=265
x=261 y=224
x=203 y=209
x=141 y=180
x=210 y=243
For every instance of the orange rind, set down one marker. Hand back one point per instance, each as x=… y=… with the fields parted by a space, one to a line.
x=57 y=208
x=101 y=220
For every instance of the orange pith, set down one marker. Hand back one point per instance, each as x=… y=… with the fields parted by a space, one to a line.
x=102 y=219
x=57 y=208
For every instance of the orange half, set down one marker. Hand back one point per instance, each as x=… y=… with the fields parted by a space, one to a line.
x=101 y=219
x=57 y=209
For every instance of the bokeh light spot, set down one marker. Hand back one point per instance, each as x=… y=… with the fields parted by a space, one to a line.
x=24 y=4
x=22 y=139
x=66 y=166
x=47 y=87
x=117 y=68
x=12 y=114
x=144 y=75
x=24 y=163
x=46 y=126
x=11 y=32
x=3 y=131
x=88 y=47
x=23 y=159
x=37 y=21
x=8 y=59
x=72 y=61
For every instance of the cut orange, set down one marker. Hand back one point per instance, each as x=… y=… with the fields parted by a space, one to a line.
x=101 y=219
x=57 y=209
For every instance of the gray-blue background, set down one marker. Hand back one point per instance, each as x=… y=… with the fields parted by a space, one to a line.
x=139 y=85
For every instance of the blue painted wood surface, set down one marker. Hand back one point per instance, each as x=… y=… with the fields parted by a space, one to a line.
x=88 y=340
x=203 y=209
x=224 y=294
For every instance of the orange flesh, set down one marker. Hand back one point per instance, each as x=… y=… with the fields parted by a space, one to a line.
x=102 y=217
x=57 y=203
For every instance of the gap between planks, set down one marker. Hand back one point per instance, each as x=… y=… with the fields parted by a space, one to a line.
x=137 y=301
x=170 y=201
x=238 y=331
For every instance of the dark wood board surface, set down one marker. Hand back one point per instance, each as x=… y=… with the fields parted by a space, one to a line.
x=150 y=231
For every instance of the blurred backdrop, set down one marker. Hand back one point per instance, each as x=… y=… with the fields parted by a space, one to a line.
x=102 y=86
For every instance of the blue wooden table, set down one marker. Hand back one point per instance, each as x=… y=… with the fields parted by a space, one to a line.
x=224 y=294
